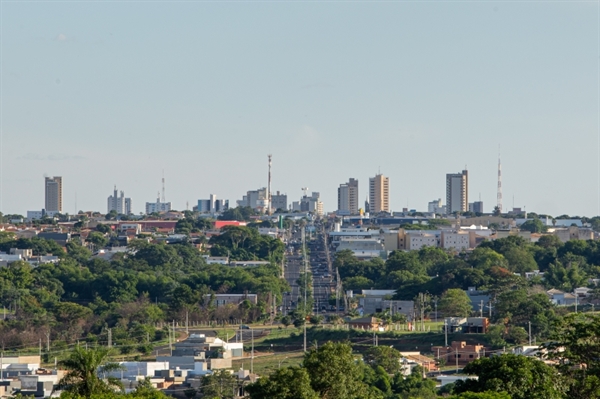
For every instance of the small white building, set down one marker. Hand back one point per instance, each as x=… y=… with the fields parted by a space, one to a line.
x=457 y=240
x=137 y=370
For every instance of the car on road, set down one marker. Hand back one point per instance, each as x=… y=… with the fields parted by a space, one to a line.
x=244 y=327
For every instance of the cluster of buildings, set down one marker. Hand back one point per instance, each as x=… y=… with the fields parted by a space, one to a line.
x=370 y=243
x=25 y=255
x=378 y=199
x=183 y=368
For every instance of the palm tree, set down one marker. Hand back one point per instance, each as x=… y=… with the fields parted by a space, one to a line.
x=84 y=367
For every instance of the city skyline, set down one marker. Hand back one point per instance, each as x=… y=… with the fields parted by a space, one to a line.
x=419 y=89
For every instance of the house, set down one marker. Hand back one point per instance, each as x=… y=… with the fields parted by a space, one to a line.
x=454 y=324
x=561 y=298
x=60 y=238
x=582 y=292
x=476 y=325
x=459 y=352
x=427 y=363
x=216 y=260
x=367 y=323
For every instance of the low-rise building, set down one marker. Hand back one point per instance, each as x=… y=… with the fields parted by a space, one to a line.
x=459 y=352
x=367 y=324
x=572 y=233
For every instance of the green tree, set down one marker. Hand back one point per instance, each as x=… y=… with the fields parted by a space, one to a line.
x=103 y=228
x=334 y=373
x=575 y=345
x=414 y=385
x=221 y=384
x=455 y=302
x=520 y=376
x=98 y=240
x=534 y=226
x=482 y=395
x=383 y=356
x=285 y=383
x=85 y=368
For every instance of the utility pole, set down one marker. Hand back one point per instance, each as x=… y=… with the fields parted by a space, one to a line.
x=481 y=309
x=529 y=332
x=48 y=342
x=109 y=339
x=252 y=356
x=187 y=331
x=170 y=340
x=446 y=332
x=456 y=357
x=40 y=347
x=173 y=340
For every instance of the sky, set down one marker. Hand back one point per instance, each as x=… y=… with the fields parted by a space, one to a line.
x=115 y=93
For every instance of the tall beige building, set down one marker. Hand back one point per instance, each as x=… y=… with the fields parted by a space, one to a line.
x=348 y=198
x=53 y=194
x=379 y=194
x=457 y=192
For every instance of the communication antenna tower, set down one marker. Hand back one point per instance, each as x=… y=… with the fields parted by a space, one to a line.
x=269 y=188
x=163 y=200
x=499 y=195
x=305 y=190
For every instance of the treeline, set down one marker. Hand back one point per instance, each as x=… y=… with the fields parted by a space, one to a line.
x=566 y=266
x=491 y=268
x=568 y=368
x=82 y=295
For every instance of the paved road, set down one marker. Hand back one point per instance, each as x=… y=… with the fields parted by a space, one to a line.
x=323 y=282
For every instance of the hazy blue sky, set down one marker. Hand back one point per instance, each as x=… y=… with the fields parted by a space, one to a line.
x=113 y=93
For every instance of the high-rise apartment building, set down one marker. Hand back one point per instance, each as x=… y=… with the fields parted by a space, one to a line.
x=118 y=203
x=255 y=199
x=279 y=201
x=312 y=204
x=212 y=205
x=379 y=194
x=348 y=198
x=476 y=207
x=457 y=192
x=53 y=194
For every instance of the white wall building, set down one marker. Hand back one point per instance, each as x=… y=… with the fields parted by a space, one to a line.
x=118 y=203
x=157 y=207
x=132 y=370
x=212 y=205
x=310 y=204
x=457 y=240
x=416 y=240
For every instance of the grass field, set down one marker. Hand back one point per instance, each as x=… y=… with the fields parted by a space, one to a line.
x=266 y=363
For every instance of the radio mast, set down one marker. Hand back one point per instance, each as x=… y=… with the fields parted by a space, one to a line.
x=499 y=195
x=269 y=188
